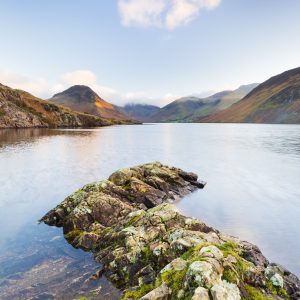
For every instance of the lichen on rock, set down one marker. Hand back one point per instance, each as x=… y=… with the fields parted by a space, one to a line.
x=151 y=251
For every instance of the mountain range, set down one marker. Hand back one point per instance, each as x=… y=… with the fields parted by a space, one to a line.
x=277 y=100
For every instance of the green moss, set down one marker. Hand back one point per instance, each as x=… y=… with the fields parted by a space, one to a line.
x=147 y=255
x=230 y=276
x=255 y=294
x=194 y=251
x=228 y=247
x=174 y=279
x=242 y=266
x=134 y=220
x=283 y=293
x=131 y=198
x=73 y=234
x=78 y=196
x=270 y=287
x=107 y=230
x=135 y=295
x=2 y=113
x=188 y=254
x=90 y=187
x=277 y=290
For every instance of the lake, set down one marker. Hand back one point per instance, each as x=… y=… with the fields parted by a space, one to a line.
x=253 y=192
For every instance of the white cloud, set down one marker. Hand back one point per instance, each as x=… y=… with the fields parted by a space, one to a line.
x=162 y=13
x=84 y=77
x=35 y=86
x=141 y=12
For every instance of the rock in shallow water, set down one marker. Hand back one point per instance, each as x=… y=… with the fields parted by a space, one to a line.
x=149 y=249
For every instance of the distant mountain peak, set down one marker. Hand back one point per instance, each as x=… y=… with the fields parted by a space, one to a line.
x=82 y=98
x=79 y=93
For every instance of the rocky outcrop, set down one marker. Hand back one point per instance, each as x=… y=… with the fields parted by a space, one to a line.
x=151 y=251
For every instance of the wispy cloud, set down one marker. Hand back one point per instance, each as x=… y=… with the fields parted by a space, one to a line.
x=38 y=86
x=162 y=13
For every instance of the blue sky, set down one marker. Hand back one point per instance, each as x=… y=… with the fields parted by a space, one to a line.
x=145 y=50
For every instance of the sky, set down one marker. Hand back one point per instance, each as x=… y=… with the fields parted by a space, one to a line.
x=148 y=51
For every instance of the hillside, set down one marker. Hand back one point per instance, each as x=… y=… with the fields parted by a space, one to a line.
x=84 y=99
x=140 y=112
x=191 y=109
x=276 y=100
x=19 y=109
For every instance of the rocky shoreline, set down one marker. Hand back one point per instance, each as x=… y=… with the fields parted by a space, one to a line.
x=150 y=251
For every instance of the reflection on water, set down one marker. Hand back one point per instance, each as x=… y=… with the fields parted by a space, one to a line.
x=252 y=173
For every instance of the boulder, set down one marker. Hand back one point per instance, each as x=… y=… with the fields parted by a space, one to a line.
x=225 y=291
x=200 y=294
x=201 y=273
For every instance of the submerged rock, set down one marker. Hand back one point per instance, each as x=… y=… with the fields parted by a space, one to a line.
x=150 y=251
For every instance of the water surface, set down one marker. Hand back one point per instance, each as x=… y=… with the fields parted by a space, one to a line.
x=253 y=175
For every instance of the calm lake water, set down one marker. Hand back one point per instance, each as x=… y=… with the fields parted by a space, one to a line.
x=253 y=190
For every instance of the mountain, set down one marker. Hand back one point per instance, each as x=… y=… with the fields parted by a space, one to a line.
x=82 y=98
x=19 y=109
x=276 y=100
x=140 y=112
x=191 y=109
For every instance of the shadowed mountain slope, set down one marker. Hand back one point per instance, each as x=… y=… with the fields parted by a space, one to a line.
x=276 y=100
